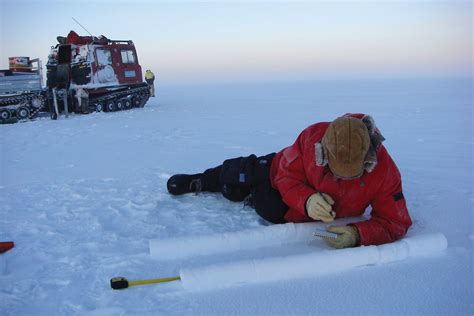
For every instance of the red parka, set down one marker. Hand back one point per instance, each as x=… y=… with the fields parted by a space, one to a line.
x=295 y=174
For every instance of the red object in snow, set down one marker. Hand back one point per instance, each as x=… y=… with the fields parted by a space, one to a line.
x=6 y=245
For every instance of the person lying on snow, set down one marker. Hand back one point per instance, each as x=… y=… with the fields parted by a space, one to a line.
x=333 y=170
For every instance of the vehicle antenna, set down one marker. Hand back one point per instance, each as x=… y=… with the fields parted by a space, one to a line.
x=82 y=26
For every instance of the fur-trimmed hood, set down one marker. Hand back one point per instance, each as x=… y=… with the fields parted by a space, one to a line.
x=370 y=161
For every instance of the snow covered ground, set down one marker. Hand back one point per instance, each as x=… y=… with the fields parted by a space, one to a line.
x=81 y=198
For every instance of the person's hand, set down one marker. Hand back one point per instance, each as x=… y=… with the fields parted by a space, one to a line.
x=319 y=207
x=348 y=237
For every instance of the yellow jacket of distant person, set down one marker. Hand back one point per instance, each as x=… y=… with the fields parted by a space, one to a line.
x=149 y=77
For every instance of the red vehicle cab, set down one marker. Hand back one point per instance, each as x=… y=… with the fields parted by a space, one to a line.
x=104 y=73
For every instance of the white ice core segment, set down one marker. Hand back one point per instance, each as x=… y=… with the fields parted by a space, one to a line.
x=309 y=265
x=274 y=235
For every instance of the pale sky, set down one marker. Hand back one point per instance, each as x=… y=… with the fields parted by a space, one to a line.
x=249 y=40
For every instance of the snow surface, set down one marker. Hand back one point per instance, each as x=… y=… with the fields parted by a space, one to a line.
x=82 y=197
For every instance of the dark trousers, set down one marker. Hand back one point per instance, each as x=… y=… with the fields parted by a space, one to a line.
x=248 y=178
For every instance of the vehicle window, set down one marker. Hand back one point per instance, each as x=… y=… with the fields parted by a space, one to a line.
x=104 y=57
x=128 y=57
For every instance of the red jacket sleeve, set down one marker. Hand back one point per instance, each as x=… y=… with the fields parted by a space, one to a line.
x=389 y=218
x=290 y=180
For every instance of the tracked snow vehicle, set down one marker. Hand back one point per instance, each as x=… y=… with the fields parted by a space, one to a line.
x=88 y=73
x=21 y=93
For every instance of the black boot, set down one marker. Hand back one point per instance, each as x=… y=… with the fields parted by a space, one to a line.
x=184 y=183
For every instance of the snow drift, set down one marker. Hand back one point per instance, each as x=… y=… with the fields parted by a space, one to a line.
x=80 y=219
x=309 y=265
